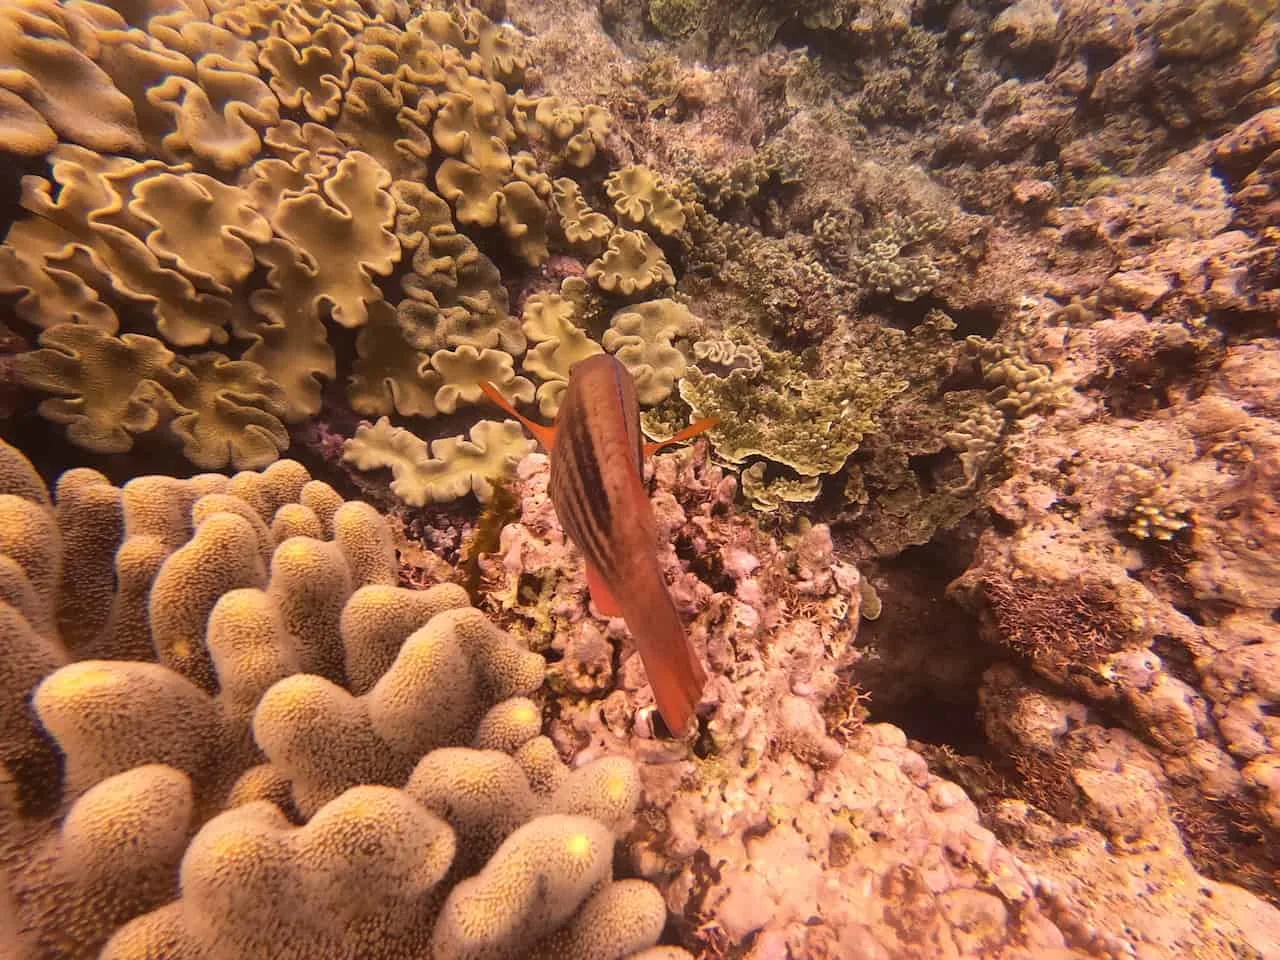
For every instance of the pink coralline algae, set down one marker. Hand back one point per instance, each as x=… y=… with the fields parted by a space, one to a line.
x=786 y=823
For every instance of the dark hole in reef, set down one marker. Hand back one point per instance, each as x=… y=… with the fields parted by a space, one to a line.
x=979 y=321
x=832 y=47
x=1035 y=63
x=1003 y=524
x=12 y=170
x=935 y=470
x=918 y=628
x=1242 y=325
x=930 y=719
x=1047 y=151
x=1275 y=614
x=709 y=567
x=1144 y=384
x=50 y=452
x=1177 y=658
x=935 y=14
x=1191 y=613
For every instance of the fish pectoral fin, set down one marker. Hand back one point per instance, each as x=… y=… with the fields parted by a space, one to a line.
x=601 y=595
x=688 y=433
x=543 y=434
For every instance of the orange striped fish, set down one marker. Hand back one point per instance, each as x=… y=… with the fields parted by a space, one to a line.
x=596 y=451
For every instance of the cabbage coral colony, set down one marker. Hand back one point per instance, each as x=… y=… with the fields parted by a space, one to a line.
x=225 y=182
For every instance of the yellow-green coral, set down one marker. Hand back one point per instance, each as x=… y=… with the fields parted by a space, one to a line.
x=343 y=203
x=640 y=199
x=768 y=495
x=633 y=263
x=886 y=261
x=807 y=422
x=584 y=229
x=575 y=132
x=976 y=439
x=642 y=337
x=1018 y=386
x=559 y=343
x=449 y=468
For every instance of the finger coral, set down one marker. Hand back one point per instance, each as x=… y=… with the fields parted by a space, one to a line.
x=368 y=805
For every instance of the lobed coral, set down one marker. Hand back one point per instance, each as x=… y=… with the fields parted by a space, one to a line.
x=228 y=187
x=260 y=745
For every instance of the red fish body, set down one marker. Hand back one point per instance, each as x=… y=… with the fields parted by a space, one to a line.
x=597 y=451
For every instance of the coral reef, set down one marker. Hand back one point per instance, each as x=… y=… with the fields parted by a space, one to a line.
x=1149 y=596
x=257 y=744
x=798 y=828
x=980 y=557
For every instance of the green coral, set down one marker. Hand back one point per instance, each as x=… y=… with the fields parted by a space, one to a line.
x=886 y=261
x=447 y=468
x=225 y=226
x=768 y=495
x=642 y=338
x=1151 y=519
x=898 y=491
x=676 y=18
x=1208 y=29
x=810 y=423
x=976 y=439
x=640 y=199
x=1018 y=386
x=771 y=282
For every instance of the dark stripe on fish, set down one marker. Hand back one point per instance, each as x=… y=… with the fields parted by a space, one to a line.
x=583 y=497
x=595 y=496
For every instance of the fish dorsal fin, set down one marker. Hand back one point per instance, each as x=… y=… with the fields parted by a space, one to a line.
x=543 y=434
x=601 y=595
x=688 y=433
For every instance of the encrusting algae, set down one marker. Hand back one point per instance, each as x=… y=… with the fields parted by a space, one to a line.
x=957 y=615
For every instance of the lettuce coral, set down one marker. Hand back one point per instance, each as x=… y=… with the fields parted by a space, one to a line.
x=325 y=819
x=245 y=179
x=445 y=469
x=810 y=424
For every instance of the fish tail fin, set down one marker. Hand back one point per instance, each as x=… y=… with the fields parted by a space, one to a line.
x=677 y=680
x=674 y=671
